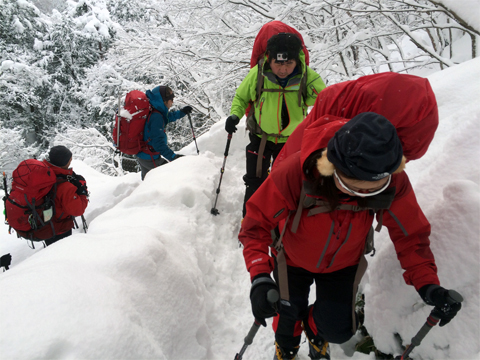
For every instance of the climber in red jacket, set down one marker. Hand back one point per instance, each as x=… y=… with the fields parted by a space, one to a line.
x=323 y=200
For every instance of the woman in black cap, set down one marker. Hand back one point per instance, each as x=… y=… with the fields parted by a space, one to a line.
x=323 y=200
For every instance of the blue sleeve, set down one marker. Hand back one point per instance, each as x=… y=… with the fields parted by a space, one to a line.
x=175 y=115
x=158 y=138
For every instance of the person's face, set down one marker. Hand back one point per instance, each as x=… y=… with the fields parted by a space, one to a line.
x=169 y=104
x=360 y=187
x=283 y=68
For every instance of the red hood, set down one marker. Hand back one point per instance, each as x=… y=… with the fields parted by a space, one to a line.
x=317 y=135
x=57 y=170
x=266 y=32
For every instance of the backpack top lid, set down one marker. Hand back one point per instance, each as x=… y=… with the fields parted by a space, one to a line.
x=33 y=178
x=266 y=32
x=137 y=102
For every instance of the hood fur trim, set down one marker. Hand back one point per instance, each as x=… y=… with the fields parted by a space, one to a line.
x=325 y=167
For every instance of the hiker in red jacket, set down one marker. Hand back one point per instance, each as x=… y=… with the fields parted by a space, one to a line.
x=71 y=199
x=346 y=172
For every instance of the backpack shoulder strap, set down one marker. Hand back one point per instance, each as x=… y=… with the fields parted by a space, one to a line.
x=260 y=78
x=302 y=93
x=281 y=263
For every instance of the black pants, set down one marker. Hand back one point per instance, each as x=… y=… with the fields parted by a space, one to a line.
x=147 y=165
x=252 y=182
x=331 y=313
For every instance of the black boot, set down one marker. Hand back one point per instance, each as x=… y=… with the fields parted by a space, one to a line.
x=317 y=347
x=285 y=354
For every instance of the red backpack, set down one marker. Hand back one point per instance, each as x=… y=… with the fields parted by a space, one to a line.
x=131 y=120
x=30 y=206
x=407 y=101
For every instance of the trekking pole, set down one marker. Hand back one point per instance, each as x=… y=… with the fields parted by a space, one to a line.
x=214 y=210
x=432 y=320
x=193 y=133
x=85 y=225
x=272 y=297
x=118 y=120
x=5 y=198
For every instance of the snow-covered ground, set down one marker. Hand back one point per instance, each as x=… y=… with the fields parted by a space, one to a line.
x=157 y=276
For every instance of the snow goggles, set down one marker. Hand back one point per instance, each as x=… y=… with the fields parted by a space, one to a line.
x=367 y=192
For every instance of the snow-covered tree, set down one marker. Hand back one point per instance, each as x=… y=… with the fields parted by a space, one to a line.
x=21 y=26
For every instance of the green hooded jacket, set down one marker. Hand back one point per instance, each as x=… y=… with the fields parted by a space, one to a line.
x=268 y=109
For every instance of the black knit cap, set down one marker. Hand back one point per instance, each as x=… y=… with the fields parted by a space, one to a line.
x=283 y=47
x=59 y=155
x=366 y=148
x=164 y=90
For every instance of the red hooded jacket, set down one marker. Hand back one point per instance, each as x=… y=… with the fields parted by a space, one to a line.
x=328 y=242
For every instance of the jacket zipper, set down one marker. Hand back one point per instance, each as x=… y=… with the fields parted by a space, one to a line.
x=326 y=245
x=336 y=252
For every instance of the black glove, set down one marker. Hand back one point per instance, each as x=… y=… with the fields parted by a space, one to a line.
x=262 y=308
x=186 y=109
x=177 y=156
x=447 y=302
x=5 y=261
x=230 y=123
x=80 y=183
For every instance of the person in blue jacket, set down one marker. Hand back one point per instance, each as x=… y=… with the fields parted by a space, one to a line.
x=161 y=99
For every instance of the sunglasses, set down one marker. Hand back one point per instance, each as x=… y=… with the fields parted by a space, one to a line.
x=368 y=192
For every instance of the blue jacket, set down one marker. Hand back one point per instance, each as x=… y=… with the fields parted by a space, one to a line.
x=154 y=132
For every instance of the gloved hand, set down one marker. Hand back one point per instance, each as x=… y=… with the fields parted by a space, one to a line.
x=80 y=182
x=5 y=261
x=446 y=304
x=262 y=308
x=230 y=123
x=177 y=156
x=186 y=109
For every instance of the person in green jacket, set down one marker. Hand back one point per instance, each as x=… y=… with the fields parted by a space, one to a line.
x=276 y=108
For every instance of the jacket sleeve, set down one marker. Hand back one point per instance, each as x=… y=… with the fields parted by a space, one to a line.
x=268 y=207
x=255 y=232
x=72 y=203
x=158 y=138
x=409 y=231
x=175 y=115
x=315 y=84
x=245 y=92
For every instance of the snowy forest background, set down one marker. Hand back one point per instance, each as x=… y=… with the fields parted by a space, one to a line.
x=64 y=64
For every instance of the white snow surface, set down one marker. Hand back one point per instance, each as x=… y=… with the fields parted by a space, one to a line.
x=157 y=276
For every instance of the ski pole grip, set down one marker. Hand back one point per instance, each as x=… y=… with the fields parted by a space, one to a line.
x=454 y=297
x=432 y=320
x=273 y=296
x=227 y=147
x=251 y=334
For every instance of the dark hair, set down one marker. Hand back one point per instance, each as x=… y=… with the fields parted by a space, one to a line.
x=166 y=93
x=324 y=186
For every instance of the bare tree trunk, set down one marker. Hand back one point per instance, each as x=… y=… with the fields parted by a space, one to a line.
x=340 y=52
